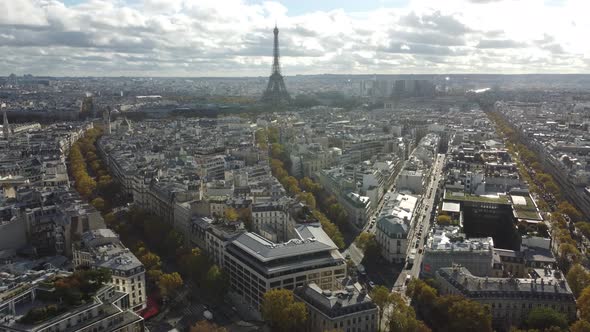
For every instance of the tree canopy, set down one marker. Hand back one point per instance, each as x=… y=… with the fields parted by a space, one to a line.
x=169 y=282
x=578 y=278
x=543 y=318
x=282 y=312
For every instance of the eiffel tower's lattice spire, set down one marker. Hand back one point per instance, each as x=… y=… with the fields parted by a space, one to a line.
x=276 y=92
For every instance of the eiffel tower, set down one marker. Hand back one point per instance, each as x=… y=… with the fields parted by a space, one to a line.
x=276 y=93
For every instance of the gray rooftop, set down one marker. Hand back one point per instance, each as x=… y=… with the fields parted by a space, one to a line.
x=312 y=239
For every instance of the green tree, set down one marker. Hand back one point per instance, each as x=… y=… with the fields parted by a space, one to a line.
x=369 y=245
x=273 y=134
x=110 y=219
x=169 y=282
x=337 y=213
x=402 y=318
x=543 y=318
x=381 y=296
x=277 y=151
x=99 y=204
x=282 y=312
x=578 y=279
x=217 y=282
x=173 y=241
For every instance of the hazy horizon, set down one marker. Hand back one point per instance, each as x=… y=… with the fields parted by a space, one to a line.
x=233 y=38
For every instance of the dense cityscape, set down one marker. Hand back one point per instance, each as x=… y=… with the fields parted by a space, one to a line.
x=334 y=202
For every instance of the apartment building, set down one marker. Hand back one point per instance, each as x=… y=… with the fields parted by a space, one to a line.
x=393 y=224
x=107 y=310
x=102 y=248
x=511 y=299
x=350 y=309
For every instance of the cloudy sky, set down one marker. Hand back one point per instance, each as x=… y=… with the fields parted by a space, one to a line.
x=234 y=37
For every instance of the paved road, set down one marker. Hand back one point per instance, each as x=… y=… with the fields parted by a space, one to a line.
x=356 y=255
x=421 y=224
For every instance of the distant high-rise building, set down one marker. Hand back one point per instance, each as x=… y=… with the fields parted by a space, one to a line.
x=276 y=93
x=6 y=127
x=87 y=107
x=106 y=117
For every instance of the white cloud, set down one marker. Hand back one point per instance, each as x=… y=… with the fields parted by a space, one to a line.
x=234 y=37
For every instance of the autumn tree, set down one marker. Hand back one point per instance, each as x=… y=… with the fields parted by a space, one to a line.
x=231 y=214
x=567 y=208
x=580 y=326
x=584 y=228
x=578 y=279
x=309 y=185
x=464 y=315
x=169 y=282
x=151 y=261
x=307 y=198
x=444 y=220
x=282 y=312
x=330 y=228
x=292 y=185
x=153 y=276
x=206 y=326
x=584 y=304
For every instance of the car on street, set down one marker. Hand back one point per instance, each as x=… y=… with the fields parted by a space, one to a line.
x=408 y=278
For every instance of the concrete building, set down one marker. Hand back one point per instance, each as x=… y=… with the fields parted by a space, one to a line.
x=411 y=180
x=107 y=310
x=256 y=265
x=447 y=246
x=358 y=208
x=393 y=225
x=102 y=249
x=272 y=217
x=511 y=299
x=350 y=309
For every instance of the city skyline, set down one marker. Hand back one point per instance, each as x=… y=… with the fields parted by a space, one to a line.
x=234 y=38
